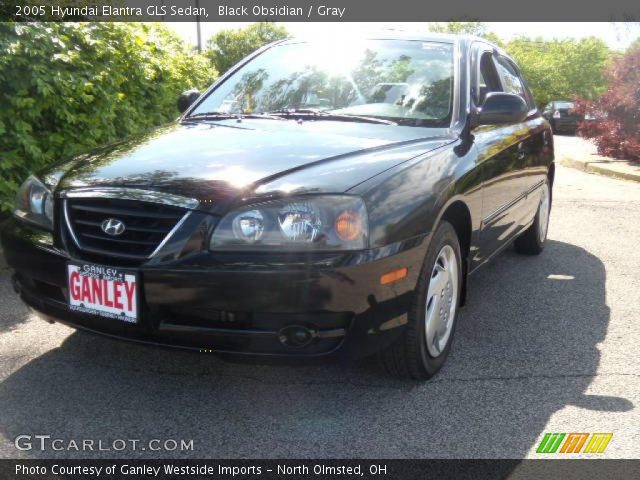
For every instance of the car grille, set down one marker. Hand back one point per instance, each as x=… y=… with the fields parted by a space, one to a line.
x=146 y=225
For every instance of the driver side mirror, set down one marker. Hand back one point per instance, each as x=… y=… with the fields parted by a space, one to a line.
x=186 y=99
x=501 y=108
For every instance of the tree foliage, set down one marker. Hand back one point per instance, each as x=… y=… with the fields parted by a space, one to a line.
x=562 y=69
x=618 y=135
x=67 y=87
x=478 y=29
x=470 y=28
x=229 y=46
x=554 y=69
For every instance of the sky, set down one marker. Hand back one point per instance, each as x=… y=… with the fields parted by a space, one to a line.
x=617 y=35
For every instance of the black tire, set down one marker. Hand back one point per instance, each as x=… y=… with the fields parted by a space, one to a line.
x=409 y=357
x=530 y=242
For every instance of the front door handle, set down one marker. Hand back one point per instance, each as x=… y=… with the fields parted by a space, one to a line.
x=521 y=152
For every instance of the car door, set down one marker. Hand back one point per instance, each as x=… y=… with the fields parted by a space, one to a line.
x=535 y=140
x=502 y=157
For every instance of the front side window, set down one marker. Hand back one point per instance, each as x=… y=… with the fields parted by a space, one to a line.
x=510 y=79
x=409 y=82
x=488 y=80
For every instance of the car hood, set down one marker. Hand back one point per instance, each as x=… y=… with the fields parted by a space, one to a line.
x=209 y=160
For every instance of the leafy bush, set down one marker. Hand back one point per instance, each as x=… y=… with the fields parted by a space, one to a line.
x=67 y=87
x=229 y=46
x=618 y=135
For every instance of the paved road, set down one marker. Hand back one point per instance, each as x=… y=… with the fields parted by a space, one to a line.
x=547 y=344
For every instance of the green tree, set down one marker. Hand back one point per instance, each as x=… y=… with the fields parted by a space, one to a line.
x=469 y=28
x=478 y=29
x=67 y=87
x=229 y=46
x=562 y=69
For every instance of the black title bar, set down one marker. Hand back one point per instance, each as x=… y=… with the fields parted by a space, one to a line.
x=322 y=10
x=317 y=469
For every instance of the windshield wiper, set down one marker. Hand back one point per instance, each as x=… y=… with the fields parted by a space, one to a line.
x=231 y=116
x=325 y=115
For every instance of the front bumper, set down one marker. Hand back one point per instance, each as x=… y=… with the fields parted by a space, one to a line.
x=231 y=304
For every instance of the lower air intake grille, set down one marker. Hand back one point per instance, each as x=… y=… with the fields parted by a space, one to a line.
x=120 y=228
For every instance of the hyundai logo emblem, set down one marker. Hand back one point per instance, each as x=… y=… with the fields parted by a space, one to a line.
x=113 y=226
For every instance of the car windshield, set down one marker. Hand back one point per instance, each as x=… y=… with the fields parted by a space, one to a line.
x=407 y=82
x=567 y=105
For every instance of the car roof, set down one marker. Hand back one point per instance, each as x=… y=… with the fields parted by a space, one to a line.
x=463 y=40
x=394 y=34
x=423 y=37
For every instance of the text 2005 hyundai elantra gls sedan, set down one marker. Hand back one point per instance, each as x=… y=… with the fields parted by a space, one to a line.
x=312 y=202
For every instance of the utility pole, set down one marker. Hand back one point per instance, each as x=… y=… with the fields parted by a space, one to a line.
x=198 y=26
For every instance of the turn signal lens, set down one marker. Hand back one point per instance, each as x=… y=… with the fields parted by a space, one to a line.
x=394 y=276
x=348 y=226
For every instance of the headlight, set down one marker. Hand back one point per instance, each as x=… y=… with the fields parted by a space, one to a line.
x=320 y=223
x=34 y=203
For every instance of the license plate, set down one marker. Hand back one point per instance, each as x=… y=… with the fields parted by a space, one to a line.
x=104 y=291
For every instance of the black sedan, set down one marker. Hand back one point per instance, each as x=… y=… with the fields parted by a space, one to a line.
x=562 y=116
x=310 y=203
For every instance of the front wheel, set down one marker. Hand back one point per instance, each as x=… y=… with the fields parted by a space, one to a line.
x=534 y=238
x=422 y=349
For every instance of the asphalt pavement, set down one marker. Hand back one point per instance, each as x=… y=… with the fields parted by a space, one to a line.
x=544 y=344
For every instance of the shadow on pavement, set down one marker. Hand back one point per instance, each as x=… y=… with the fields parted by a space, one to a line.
x=526 y=347
x=14 y=311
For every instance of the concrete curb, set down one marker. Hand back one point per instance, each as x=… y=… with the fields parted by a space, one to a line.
x=584 y=157
x=599 y=168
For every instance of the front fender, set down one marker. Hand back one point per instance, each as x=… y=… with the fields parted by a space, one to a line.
x=409 y=200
